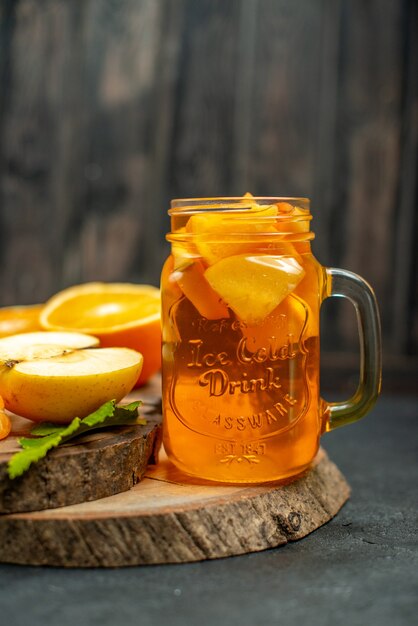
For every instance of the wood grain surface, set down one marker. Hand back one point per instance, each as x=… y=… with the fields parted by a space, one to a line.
x=170 y=518
x=121 y=106
x=90 y=467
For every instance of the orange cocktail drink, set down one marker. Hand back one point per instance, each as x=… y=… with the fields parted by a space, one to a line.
x=241 y=299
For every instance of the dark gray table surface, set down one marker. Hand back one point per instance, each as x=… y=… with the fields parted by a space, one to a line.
x=360 y=569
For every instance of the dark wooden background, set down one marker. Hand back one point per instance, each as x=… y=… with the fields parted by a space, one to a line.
x=108 y=108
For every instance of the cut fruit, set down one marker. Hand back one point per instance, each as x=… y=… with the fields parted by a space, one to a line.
x=253 y=286
x=256 y=218
x=188 y=274
x=184 y=253
x=196 y=288
x=297 y=225
x=172 y=294
x=42 y=345
x=119 y=314
x=19 y=319
x=5 y=422
x=42 y=380
x=211 y=225
x=290 y=322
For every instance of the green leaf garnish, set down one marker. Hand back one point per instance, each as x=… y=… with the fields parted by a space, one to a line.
x=48 y=436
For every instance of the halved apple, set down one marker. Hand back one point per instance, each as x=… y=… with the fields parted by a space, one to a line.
x=42 y=345
x=56 y=376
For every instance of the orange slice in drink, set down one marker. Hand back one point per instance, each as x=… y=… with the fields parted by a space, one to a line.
x=196 y=288
x=254 y=285
x=19 y=319
x=215 y=232
x=210 y=226
x=118 y=314
x=298 y=225
x=188 y=273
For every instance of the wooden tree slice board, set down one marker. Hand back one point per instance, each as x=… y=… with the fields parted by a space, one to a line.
x=90 y=467
x=170 y=518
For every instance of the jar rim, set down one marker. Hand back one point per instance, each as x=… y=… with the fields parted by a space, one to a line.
x=204 y=203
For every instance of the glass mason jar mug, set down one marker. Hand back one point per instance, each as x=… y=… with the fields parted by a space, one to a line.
x=241 y=295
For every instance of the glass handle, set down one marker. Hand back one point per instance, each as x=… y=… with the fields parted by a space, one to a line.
x=344 y=284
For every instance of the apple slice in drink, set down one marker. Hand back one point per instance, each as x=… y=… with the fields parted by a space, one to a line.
x=254 y=285
x=56 y=376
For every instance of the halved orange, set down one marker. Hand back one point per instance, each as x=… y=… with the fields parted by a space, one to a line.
x=119 y=314
x=19 y=319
